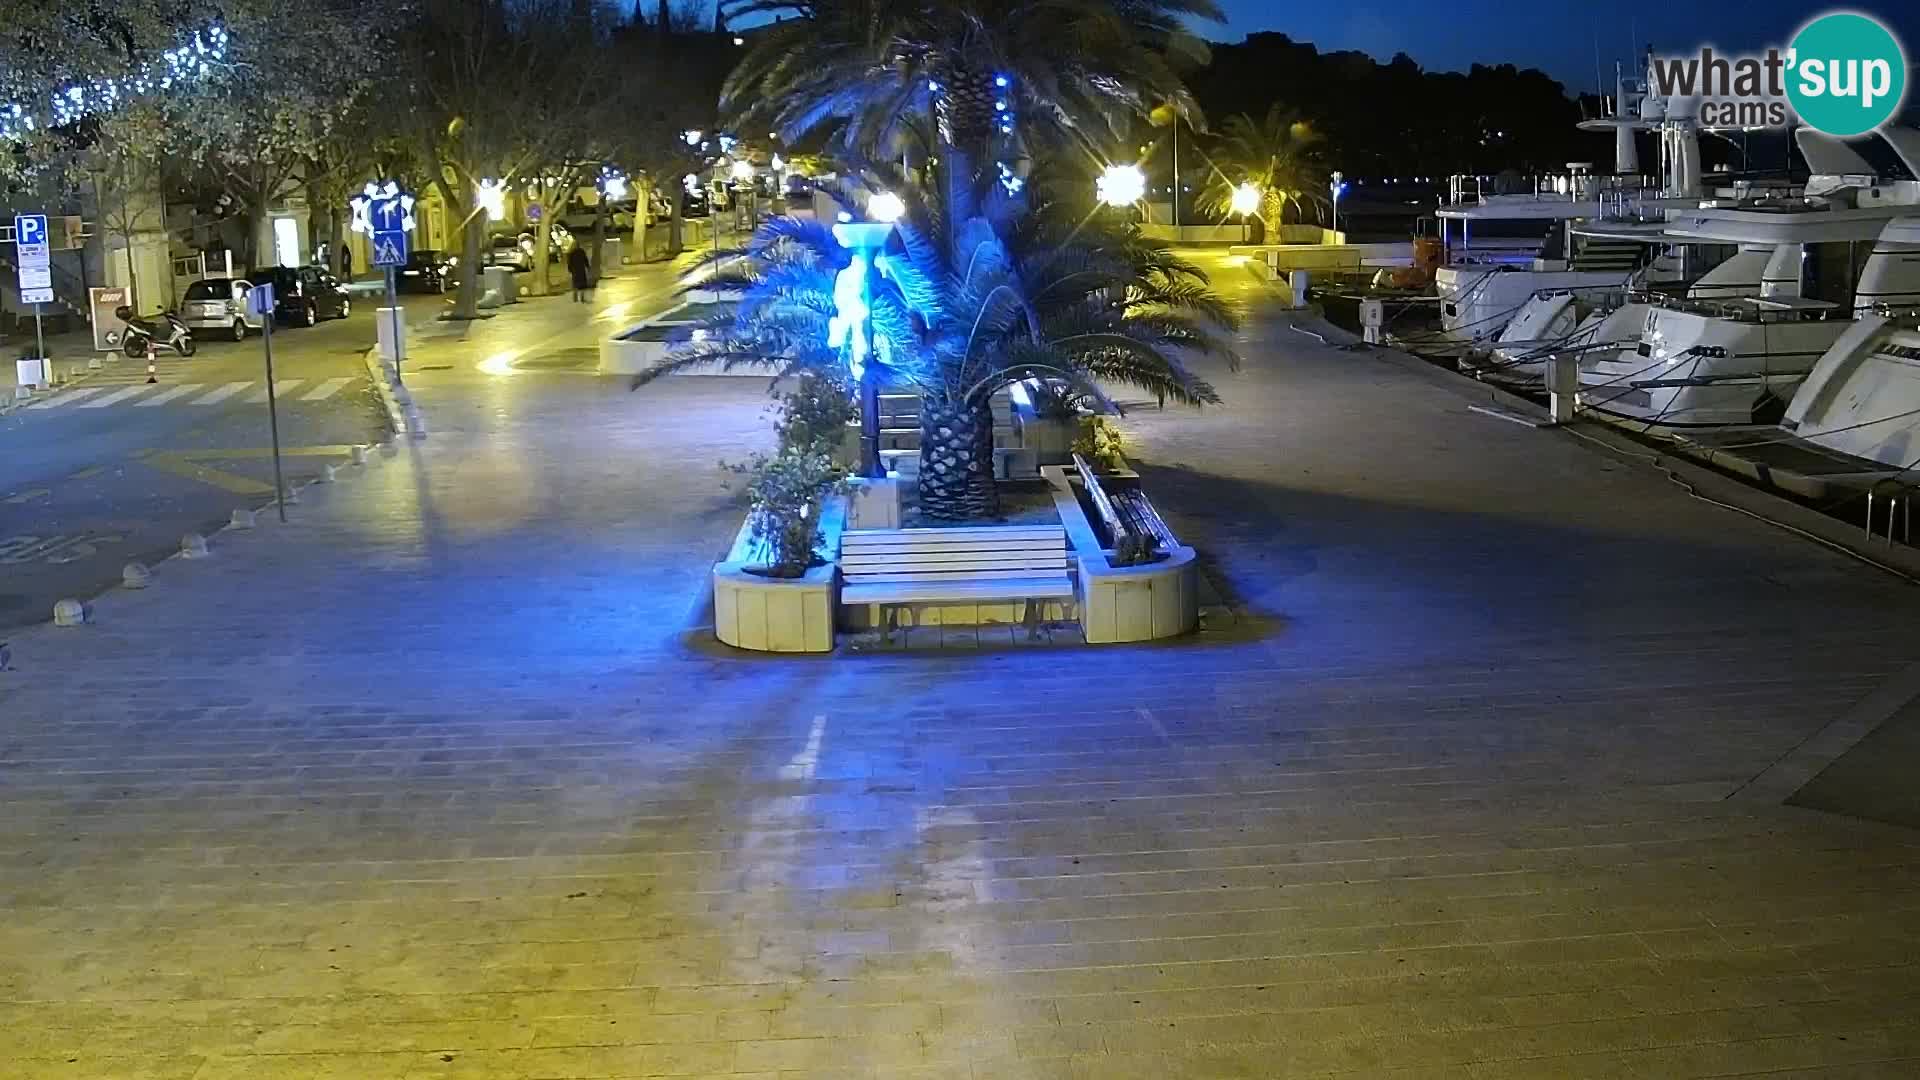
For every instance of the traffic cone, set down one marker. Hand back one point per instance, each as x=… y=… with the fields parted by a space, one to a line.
x=150 y=375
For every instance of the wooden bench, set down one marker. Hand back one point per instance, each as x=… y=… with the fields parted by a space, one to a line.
x=1124 y=510
x=887 y=568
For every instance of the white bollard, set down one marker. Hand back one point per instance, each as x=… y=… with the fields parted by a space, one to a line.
x=93 y=364
x=193 y=546
x=242 y=519
x=326 y=475
x=69 y=613
x=293 y=496
x=359 y=454
x=135 y=576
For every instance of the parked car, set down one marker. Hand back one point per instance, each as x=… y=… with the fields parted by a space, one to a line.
x=426 y=271
x=304 y=295
x=219 y=304
x=513 y=251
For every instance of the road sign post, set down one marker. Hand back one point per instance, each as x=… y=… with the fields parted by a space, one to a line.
x=35 y=270
x=390 y=252
x=260 y=302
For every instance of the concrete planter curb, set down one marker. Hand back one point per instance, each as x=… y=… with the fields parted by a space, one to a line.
x=784 y=615
x=382 y=376
x=1125 y=603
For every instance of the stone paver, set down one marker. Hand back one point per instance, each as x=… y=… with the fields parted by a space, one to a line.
x=442 y=781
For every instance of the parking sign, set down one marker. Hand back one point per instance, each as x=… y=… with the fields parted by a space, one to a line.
x=34 y=263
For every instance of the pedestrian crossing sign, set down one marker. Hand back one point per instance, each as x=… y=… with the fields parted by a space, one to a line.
x=390 y=247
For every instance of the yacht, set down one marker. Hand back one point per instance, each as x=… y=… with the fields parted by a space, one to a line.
x=1862 y=399
x=1719 y=361
x=1603 y=236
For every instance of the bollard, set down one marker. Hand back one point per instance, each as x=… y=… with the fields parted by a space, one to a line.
x=359 y=455
x=135 y=576
x=69 y=613
x=93 y=364
x=193 y=546
x=242 y=519
x=292 y=497
x=326 y=475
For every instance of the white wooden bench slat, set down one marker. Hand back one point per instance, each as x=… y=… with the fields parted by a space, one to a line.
x=861 y=560
x=857 y=537
x=984 y=573
x=908 y=592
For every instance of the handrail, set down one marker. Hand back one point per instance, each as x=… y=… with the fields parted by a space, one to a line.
x=1101 y=503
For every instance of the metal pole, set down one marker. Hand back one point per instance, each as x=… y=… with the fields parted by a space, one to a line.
x=393 y=312
x=1176 y=175
x=273 y=419
x=870 y=425
x=39 y=339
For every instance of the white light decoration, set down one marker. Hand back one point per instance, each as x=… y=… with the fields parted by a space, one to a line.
x=693 y=136
x=362 y=204
x=491 y=195
x=613 y=183
x=192 y=59
x=886 y=206
x=692 y=183
x=1121 y=185
x=743 y=170
x=1246 y=199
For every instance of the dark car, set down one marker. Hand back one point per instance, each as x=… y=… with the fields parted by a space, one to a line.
x=304 y=295
x=426 y=271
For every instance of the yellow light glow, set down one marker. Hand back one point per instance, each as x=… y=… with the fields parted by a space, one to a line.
x=1121 y=185
x=1246 y=199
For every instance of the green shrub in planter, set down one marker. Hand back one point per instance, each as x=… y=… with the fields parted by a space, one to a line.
x=788 y=492
x=1101 y=443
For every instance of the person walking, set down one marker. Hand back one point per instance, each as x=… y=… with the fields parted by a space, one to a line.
x=581 y=271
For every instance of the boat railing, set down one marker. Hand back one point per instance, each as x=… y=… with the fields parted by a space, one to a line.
x=1478 y=188
x=1744 y=309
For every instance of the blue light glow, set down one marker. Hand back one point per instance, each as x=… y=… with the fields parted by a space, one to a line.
x=848 y=327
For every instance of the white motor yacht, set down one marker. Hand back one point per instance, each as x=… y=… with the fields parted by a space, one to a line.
x=1712 y=362
x=1862 y=399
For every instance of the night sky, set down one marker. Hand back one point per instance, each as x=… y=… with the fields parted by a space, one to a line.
x=1556 y=36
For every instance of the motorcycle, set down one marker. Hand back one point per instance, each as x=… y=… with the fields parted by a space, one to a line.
x=140 y=332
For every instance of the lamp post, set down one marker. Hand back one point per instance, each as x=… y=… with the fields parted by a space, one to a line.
x=1337 y=187
x=850 y=328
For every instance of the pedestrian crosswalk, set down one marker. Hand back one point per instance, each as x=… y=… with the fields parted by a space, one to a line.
x=150 y=395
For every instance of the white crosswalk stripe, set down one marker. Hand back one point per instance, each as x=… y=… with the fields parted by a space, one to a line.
x=325 y=390
x=280 y=388
x=116 y=397
x=167 y=395
x=67 y=398
x=222 y=394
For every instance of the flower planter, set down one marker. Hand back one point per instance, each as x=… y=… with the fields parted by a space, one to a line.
x=1126 y=603
x=785 y=615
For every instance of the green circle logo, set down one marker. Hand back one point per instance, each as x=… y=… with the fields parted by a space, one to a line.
x=1847 y=74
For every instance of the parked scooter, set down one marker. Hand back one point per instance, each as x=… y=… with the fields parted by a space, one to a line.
x=173 y=335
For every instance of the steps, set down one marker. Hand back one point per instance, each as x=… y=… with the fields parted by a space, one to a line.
x=1598 y=255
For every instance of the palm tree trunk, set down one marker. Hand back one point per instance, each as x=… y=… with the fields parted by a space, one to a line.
x=956 y=460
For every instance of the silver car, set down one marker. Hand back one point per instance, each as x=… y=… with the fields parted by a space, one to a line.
x=219 y=304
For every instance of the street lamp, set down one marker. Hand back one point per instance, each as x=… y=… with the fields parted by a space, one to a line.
x=492 y=197
x=886 y=207
x=1337 y=187
x=1246 y=200
x=743 y=179
x=1120 y=185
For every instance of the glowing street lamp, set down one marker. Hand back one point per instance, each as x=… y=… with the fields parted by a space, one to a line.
x=743 y=170
x=886 y=207
x=1337 y=187
x=491 y=195
x=851 y=328
x=1121 y=185
x=1246 y=200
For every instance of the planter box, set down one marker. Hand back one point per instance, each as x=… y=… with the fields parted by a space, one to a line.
x=787 y=615
x=1126 y=603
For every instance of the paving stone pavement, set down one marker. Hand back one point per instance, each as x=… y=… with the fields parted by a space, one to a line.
x=436 y=782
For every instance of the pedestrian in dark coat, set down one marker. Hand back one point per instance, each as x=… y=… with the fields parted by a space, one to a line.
x=581 y=271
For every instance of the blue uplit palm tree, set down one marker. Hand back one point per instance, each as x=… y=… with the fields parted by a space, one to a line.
x=1035 y=74
x=977 y=289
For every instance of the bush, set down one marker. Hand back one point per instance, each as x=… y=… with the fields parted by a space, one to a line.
x=789 y=489
x=1101 y=443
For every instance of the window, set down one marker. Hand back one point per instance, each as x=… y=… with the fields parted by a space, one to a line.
x=208 y=290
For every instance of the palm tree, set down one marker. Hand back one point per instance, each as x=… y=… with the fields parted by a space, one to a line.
x=972 y=294
x=873 y=68
x=1278 y=154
